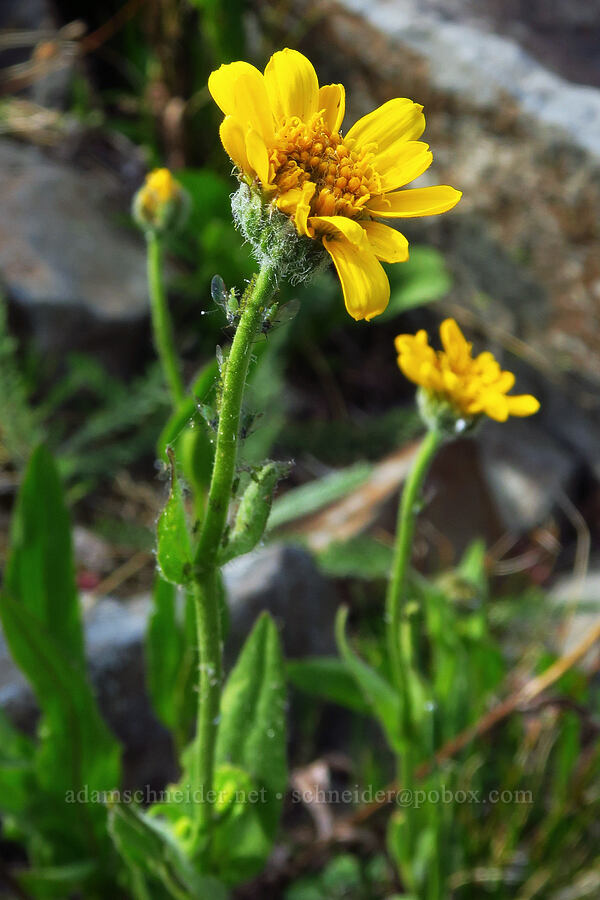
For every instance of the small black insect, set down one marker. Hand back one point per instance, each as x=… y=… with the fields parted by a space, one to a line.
x=276 y=316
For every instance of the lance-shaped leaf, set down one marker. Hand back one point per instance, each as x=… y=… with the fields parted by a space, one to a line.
x=380 y=695
x=171 y=659
x=253 y=512
x=40 y=614
x=174 y=546
x=39 y=572
x=329 y=678
x=157 y=862
x=252 y=729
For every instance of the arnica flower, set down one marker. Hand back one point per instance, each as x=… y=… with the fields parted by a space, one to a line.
x=282 y=131
x=161 y=202
x=452 y=377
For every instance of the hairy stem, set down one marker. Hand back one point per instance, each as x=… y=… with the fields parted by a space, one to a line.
x=211 y=537
x=161 y=321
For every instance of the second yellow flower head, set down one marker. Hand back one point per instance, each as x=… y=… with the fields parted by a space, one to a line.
x=471 y=386
x=283 y=131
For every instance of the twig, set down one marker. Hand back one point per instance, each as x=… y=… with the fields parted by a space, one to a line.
x=123 y=573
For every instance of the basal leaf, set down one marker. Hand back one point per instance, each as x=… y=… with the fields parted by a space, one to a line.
x=328 y=678
x=251 y=733
x=39 y=571
x=149 y=847
x=163 y=650
x=380 y=695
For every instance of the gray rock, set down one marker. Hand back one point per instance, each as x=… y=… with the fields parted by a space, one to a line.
x=484 y=68
x=284 y=580
x=77 y=278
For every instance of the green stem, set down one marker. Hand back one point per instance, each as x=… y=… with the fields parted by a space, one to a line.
x=211 y=537
x=161 y=321
x=396 y=595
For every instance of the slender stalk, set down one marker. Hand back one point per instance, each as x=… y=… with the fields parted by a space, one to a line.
x=396 y=595
x=211 y=536
x=161 y=320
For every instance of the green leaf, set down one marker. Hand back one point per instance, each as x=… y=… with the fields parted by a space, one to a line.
x=421 y=280
x=378 y=693
x=329 y=678
x=17 y=776
x=57 y=881
x=39 y=609
x=163 y=651
x=149 y=847
x=76 y=749
x=253 y=512
x=39 y=572
x=188 y=434
x=251 y=733
x=360 y=557
x=171 y=659
x=174 y=546
x=240 y=843
x=309 y=498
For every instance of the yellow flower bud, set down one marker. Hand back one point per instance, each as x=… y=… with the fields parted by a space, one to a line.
x=161 y=203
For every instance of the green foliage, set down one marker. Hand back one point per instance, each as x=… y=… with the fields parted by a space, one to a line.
x=361 y=557
x=158 y=865
x=75 y=752
x=253 y=512
x=174 y=553
x=19 y=423
x=171 y=659
x=329 y=678
x=251 y=739
x=309 y=498
x=345 y=877
x=384 y=700
x=421 y=280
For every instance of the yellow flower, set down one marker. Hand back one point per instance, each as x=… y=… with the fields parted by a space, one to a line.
x=471 y=386
x=158 y=189
x=283 y=131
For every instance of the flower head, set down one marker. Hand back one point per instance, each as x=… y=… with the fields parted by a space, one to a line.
x=457 y=383
x=282 y=131
x=161 y=202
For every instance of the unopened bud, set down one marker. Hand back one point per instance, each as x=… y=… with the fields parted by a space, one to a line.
x=161 y=204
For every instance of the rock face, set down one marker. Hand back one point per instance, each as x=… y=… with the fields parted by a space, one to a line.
x=280 y=579
x=283 y=580
x=74 y=275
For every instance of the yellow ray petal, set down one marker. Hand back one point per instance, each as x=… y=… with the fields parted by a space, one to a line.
x=398 y=119
x=364 y=282
x=296 y=204
x=402 y=163
x=332 y=98
x=428 y=201
x=495 y=406
x=232 y=138
x=292 y=85
x=258 y=155
x=240 y=90
x=522 y=405
x=458 y=349
x=387 y=244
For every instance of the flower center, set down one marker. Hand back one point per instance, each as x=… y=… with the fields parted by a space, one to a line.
x=344 y=178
